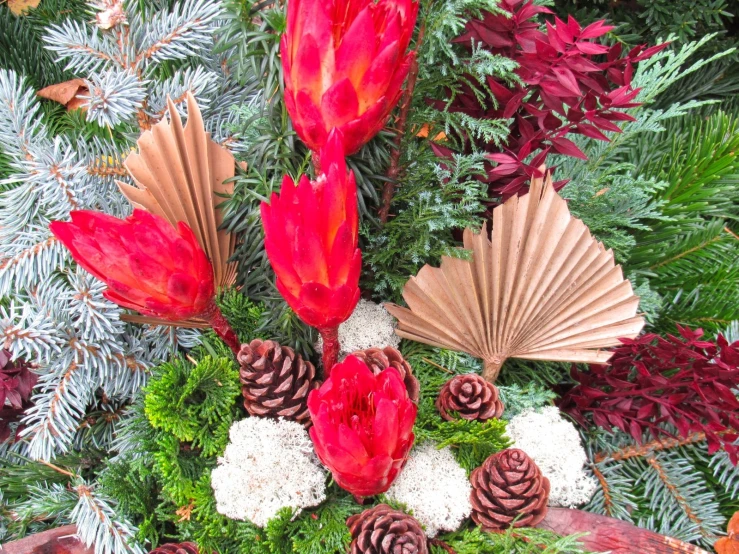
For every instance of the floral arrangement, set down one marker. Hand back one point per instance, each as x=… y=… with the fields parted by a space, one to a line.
x=286 y=411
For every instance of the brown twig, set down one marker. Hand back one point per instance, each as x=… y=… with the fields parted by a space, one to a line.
x=648 y=448
x=388 y=189
x=444 y=546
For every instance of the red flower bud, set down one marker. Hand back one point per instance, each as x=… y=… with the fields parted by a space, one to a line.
x=344 y=62
x=311 y=234
x=362 y=426
x=148 y=265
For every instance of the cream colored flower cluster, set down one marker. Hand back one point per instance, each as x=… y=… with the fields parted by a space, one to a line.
x=268 y=465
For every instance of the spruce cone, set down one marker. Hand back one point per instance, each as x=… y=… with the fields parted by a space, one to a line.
x=382 y=530
x=471 y=396
x=379 y=359
x=275 y=381
x=176 y=548
x=506 y=485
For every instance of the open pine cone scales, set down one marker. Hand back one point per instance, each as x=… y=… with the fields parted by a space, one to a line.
x=471 y=397
x=275 y=381
x=508 y=485
x=382 y=530
x=378 y=359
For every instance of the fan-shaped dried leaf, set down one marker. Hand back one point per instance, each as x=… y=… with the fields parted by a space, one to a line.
x=542 y=289
x=180 y=173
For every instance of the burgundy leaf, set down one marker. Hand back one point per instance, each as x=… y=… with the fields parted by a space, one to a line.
x=568 y=148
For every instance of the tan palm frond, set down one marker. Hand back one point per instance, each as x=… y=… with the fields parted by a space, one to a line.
x=543 y=288
x=179 y=174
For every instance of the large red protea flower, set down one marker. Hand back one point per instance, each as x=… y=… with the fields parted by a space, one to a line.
x=362 y=426
x=311 y=234
x=344 y=63
x=148 y=265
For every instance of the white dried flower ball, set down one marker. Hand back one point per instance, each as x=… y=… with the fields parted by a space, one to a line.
x=268 y=465
x=435 y=487
x=369 y=326
x=554 y=444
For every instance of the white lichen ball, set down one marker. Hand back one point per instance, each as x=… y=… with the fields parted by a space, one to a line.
x=554 y=444
x=435 y=487
x=268 y=465
x=369 y=326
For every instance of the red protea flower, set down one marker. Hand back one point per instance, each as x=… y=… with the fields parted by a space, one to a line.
x=362 y=426
x=148 y=265
x=344 y=63
x=311 y=233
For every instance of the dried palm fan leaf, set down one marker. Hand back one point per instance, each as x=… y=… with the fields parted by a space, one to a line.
x=179 y=174
x=542 y=289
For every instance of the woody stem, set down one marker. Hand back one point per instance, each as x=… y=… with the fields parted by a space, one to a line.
x=491 y=369
x=224 y=330
x=330 y=336
x=388 y=189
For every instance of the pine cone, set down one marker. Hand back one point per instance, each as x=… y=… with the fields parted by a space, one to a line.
x=471 y=396
x=176 y=548
x=275 y=381
x=382 y=530
x=506 y=485
x=379 y=359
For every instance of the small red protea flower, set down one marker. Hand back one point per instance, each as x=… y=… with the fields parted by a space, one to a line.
x=344 y=63
x=362 y=426
x=311 y=232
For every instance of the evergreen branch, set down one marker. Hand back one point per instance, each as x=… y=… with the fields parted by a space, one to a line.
x=96 y=525
x=675 y=492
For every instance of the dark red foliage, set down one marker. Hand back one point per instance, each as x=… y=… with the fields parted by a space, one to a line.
x=570 y=84
x=16 y=382
x=651 y=381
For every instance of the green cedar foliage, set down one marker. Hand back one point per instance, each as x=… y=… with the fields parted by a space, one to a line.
x=194 y=404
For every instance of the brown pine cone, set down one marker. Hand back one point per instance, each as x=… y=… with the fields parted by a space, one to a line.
x=471 y=396
x=176 y=548
x=382 y=530
x=379 y=359
x=275 y=381
x=506 y=485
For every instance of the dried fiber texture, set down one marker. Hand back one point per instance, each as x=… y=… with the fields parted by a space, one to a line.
x=179 y=174
x=542 y=289
x=435 y=488
x=379 y=359
x=382 y=530
x=268 y=465
x=471 y=397
x=369 y=326
x=275 y=381
x=607 y=534
x=683 y=381
x=508 y=485
x=554 y=445
x=176 y=548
